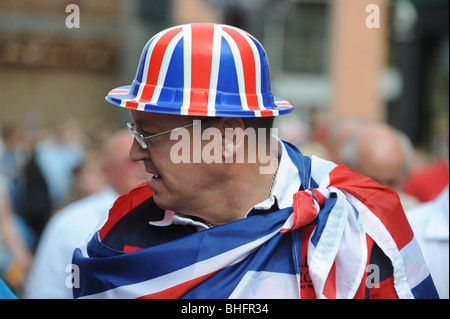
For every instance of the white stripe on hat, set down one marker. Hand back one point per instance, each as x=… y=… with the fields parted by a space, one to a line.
x=148 y=57
x=217 y=38
x=187 y=69
x=239 y=69
x=164 y=67
x=257 y=70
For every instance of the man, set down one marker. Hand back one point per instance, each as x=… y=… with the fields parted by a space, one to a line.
x=231 y=211
x=384 y=154
x=51 y=271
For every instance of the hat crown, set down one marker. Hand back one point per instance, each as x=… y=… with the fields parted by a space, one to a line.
x=203 y=69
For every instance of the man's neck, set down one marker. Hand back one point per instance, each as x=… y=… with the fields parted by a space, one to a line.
x=244 y=187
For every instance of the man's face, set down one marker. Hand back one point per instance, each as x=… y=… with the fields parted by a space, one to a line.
x=178 y=186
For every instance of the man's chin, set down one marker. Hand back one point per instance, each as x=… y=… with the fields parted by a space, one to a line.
x=160 y=202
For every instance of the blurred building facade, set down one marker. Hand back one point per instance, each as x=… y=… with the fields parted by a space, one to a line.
x=375 y=59
x=58 y=71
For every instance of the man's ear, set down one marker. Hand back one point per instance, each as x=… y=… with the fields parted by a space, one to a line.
x=233 y=137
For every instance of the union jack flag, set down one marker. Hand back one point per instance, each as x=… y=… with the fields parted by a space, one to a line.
x=204 y=70
x=340 y=223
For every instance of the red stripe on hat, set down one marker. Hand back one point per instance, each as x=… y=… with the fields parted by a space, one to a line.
x=266 y=113
x=154 y=66
x=132 y=105
x=202 y=50
x=248 y=65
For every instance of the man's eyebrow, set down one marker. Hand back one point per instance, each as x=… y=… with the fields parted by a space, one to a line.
x=141 y=123
x=149 y=128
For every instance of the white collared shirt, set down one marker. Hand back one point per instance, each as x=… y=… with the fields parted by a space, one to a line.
x=63 y=233
x=430 y=223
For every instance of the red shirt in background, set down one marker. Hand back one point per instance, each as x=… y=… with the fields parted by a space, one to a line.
x=427 y=183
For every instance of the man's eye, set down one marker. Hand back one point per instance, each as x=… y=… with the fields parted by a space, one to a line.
x=146 y=133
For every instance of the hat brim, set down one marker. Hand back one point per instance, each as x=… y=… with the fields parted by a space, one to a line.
x=122 y=96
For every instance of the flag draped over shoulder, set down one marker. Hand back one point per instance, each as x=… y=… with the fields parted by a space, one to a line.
x=321 y=247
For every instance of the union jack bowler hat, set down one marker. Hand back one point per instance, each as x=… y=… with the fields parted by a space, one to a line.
x=202 y=69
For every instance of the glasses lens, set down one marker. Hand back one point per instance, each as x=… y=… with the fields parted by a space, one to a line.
x=137 y=136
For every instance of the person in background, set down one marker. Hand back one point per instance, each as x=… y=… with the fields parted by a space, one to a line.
x=430 y=223
x=382 y=153
x=72 y=224
x=427 y=182
x=341 y=129
x=57 y=157
x=34 y=204
x=15 y=254
x=298 y=132
x=14 y=156
x=89 y=177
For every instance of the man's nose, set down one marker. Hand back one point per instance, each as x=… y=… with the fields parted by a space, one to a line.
x=137 y=153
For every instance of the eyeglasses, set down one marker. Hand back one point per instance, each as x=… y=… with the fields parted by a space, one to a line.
x=142 y=140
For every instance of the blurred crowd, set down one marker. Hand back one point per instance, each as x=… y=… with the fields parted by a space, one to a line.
x=56 y=186
x=420 y=177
